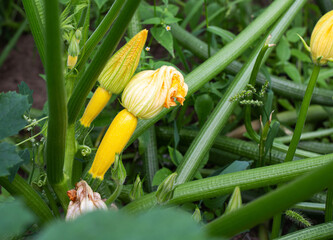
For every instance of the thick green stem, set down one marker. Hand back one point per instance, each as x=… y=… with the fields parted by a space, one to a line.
x=36 y=27
x=232 y=145
x=276 y=201
x=19 y=187
x=225 y=184
x=69 y=154
x=329 y=204
x=98 y=34
x=308 y=135
x=321 y=231
x=302 y=114
x=57 y=125
x=150 y=159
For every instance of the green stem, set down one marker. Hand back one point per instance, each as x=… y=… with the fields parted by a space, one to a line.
x=52 y=202
x=306 y=136
x=274 y=202
x=329 y=204
x=134 y=26
x=310 y=206
x=57 y=125
x=225 y=184
x=276 y=226
x=19 y=187
x=232 y=145
x=36 y=27
x=302 y=114
x=98 y=34
x=321 y=231
x=69 y=154
x=114 y=195
x=88 y=79
x=150 y=159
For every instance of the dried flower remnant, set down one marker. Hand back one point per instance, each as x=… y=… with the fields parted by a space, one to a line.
x=83 y=200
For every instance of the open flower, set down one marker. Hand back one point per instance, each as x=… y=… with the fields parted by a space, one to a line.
x=144 y=97
x=83 y=199
x=115 y=76
x=149 y=91
x=321 y=43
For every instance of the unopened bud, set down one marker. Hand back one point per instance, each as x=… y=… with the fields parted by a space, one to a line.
x=197 y=215
x=137 y=190
x=78 y=35
x=165 y=190
x=83 y=199
x=118 y=171
x=235 y=201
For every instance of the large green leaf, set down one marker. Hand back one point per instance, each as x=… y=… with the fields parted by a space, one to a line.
x=8 y=158
x=25 y=90
x=159 y=224
x=15 y=218
x=164 y=38
x=13 y=106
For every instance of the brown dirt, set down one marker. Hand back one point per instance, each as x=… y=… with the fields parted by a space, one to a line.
x=23 y=64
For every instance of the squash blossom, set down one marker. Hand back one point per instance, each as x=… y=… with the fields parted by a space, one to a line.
x=144 y=97
x=115 y=76
x=321 y=43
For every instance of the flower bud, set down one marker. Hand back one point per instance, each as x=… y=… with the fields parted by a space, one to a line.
x=83 y=199
x=137 y=191
x=165 y=190
x=115 y=76
x=197 y=215
x=149 y=91
x=321 y=43
x=120 y=68
x=235 y=201
x=118 y=171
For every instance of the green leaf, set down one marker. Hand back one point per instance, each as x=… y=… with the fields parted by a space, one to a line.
x=292 y=72
x=226 y=35
x=25 y=157
x=8 y=158
x=169 y=20
x=176 y=157
x=154 y=20
x=273 y=131
x=25 y=90
x=292 y=34
x=203 y=106
x=164 y=38
x=13 y=106
x=160 y=175
x=15 y=218
x=162 y=224
x=300 y=55
x=236 y=166
x=100 y=3
x=282 y=50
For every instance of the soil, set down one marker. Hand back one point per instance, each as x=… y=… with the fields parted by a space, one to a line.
x=23 y=64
